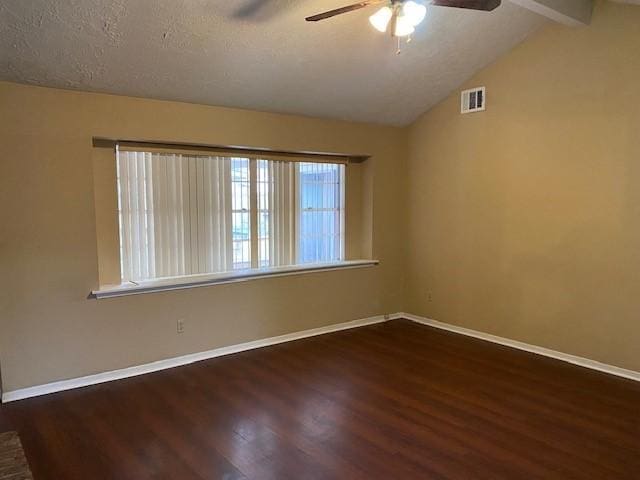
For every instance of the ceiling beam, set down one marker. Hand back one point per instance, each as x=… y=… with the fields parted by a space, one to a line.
x=573 y=13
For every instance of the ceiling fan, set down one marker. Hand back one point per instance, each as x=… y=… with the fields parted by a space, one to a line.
x=402 y=16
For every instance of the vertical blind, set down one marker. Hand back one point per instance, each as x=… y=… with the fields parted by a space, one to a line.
x=276 y=209
x=174 y=215
x=183 y=214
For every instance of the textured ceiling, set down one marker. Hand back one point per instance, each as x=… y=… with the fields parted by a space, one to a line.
x=255 y=54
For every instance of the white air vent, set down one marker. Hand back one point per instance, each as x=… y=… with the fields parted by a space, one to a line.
x=472 y=100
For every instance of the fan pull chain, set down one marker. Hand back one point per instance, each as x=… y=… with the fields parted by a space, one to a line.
x=399 y=50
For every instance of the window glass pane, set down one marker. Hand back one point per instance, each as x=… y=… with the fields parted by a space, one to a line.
x=264 y=252
x=320 y=212
x=241 y=254
x=240 y=169
x=241 y=226
x=240 y=219
x=263 y=225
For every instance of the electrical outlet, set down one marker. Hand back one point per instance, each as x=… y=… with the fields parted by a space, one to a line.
x=429 y=297
x=180 y=325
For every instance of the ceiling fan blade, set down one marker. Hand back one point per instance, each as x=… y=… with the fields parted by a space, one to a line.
x=485 y=5
x=341 y=10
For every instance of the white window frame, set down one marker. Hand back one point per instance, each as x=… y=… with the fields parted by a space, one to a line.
x=298 y=216
x=294 y=190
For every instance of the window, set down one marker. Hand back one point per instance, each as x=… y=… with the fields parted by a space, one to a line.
x=321 y=199
x=241 y=221
x=184 y=214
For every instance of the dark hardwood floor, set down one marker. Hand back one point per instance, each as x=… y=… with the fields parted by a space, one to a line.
x=4 y=422
x=389 y=401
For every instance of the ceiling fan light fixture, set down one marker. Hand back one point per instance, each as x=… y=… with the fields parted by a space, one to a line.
x=380 y=19
x=403 y=27
x=413 y=12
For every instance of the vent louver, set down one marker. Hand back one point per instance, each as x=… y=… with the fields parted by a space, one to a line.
x=473 y=100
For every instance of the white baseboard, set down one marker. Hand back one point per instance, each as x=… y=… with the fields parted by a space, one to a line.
x=62 y=385
x=565 y=357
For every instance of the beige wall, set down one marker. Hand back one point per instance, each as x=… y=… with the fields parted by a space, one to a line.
x=526 y=218
x=48 y=245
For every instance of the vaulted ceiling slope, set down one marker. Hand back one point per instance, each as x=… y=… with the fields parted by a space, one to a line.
x=254 y=54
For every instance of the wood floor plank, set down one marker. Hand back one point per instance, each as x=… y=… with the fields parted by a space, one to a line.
x=5 y=426
x=393 y=400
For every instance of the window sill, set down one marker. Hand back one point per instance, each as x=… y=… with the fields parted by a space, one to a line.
x=193 y=281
